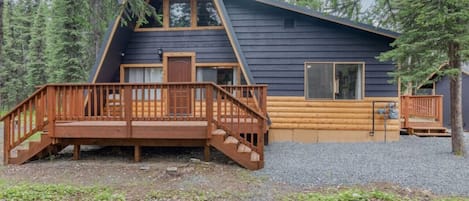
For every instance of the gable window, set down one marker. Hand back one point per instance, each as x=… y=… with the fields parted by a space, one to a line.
x=152 y=22
x=207 y=14
x=182 y=15
x=337 y=81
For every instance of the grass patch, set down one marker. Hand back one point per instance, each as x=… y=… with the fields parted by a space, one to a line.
x=360 y=195
x=55 y=192
x=196 y=195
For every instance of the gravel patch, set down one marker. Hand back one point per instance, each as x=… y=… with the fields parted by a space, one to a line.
x=414 y=162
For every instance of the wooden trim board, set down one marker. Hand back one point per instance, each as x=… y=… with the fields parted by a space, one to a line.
x=329 y=136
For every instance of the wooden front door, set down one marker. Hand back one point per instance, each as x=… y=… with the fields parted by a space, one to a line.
x=179 y=70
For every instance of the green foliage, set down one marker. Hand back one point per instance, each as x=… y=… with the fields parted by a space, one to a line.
x=16 y=23
x=67 y=42
x=195 y=195
x=428 y=29
x=137 y=9
x=38 y=192
x=36 y=71
x=347 y=195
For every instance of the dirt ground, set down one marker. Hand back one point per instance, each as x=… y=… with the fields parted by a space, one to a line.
x=112 y=167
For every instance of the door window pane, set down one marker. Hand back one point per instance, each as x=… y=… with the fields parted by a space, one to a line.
x=152 y=22
x=319 y=80
x=348 y=81
x=207 y=14
x=180 y=13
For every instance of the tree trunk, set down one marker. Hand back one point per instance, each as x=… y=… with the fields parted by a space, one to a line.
x=1 y=44
x=96 y=15
x=457 y=132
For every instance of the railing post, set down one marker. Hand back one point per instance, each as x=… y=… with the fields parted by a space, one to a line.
x=6 y=138
x=405 y=111
x=209 y=108
x=440 y=110
x=128 y=108
x=51 y=109
x=263 y=97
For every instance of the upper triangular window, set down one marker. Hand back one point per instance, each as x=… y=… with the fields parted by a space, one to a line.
x=182 y=14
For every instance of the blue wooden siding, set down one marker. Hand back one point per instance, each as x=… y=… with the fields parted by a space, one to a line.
x=442 y=88
x=109 y=71
x=276 y=55
x=209 y=45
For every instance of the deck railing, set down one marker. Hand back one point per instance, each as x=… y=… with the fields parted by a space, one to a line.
x=427 y=107
x=128 y=102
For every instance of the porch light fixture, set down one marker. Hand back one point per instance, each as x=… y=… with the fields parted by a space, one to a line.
x=160 y=53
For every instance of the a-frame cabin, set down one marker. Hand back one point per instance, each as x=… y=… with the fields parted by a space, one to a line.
x=218 y=73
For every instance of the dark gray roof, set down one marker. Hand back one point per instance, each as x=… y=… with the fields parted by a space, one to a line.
x=338 y=20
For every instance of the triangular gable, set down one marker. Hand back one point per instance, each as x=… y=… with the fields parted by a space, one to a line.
x=330 y=18
x=110 y=43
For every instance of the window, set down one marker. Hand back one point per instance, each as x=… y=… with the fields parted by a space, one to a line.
x=144 y=75
x=339 y=81
x=182 y=15
x=152 y=22
x=217 y=75
x=179 y=13
x=207 y=14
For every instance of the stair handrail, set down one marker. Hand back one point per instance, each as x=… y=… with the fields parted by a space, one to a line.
x=14 y=132
x=261 y=121
x=240 y=102
x=42 y=87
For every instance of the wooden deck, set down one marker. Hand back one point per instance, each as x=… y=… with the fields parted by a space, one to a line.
x=141 y=115
x=423 y=115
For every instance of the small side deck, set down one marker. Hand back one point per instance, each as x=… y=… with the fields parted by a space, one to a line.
x=423 y=116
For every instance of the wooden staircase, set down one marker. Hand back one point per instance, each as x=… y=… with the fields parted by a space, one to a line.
x=236 y=150
x=34 y=149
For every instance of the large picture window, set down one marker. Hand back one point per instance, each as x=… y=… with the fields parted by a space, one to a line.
x=338 y=81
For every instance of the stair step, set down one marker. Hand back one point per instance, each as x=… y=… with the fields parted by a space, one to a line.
x=255 y=156
x=219 y=132
x=244 y=149
x=231 y=140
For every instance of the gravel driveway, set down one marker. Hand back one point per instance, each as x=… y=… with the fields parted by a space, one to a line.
x=424 y=163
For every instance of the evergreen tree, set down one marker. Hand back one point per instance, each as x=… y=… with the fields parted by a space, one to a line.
x=432 y=30
x=36 y=65
x=67 y=48
x=12 y=72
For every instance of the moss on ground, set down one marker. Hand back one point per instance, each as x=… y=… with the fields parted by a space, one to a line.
x=360 y=195
x=55 y=192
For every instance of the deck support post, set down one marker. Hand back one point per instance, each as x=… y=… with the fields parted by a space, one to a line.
x=207 y=151
x=76 y=152
x=6 y=138
x=137 y=153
